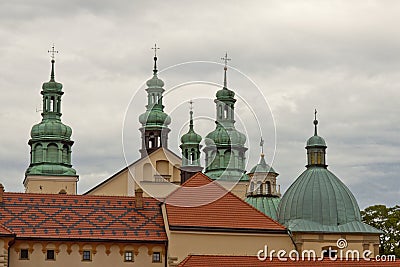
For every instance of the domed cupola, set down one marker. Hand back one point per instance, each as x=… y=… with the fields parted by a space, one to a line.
x=316 y=148
x=154 y=120
x=318 y=201
x=263 y=192
x=225 y=150
x=51 y=141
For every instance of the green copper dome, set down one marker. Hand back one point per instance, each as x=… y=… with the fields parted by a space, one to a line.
x=51 y=129
x=318 y=201
x=155 y=82
x=154 y=117
x=266 y=204
x=262 y=167
x=52 y=85
x=319 y=196
x=224 y=94
x=51 y=169
x=315 y=140
x=225 y=136
x=51 y=144
x=191 y=137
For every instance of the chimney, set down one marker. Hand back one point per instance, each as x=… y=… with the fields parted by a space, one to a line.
x=139 y=198
x=1 y=193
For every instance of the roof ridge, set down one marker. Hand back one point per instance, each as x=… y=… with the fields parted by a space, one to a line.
x=7 y=229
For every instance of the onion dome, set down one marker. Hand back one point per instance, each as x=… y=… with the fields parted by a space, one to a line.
x=191 y=137
x=223 y=136
x=51 y=169
x=51 y=129
x=154 y=117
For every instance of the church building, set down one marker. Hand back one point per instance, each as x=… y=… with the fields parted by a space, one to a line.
x=171 y=210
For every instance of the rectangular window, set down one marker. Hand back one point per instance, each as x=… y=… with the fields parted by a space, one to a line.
x=156 y=256
x=50 y=255
x=128 y=256
x=87 y=255
x=24 y=254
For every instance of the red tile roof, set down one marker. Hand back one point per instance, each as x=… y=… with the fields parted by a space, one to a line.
x=202 y=203
x=81 y=217
x=252 y=261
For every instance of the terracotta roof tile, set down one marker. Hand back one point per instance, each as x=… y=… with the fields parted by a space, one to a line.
x=200 y=202
x=81 y=217
x=252 y=261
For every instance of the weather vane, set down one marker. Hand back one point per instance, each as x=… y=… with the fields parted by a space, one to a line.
x=315 y=114
x=155 y=48
x=52 y=52
x=226 y=59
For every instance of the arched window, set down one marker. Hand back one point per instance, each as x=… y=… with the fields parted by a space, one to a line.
x=226 y=112
x=52 y=153
x=147 y=172
x=62 y=192
x=228 y=158
x=38 y=153
x=251 y=187
x=52 y=104
x=65 y=158
x=268 y=187
x=152 y=140
x=259 y=188
x=162 y=167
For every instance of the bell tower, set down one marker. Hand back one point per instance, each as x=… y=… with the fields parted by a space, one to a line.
x=225 y=146
x=50 y=169
x=154 y=121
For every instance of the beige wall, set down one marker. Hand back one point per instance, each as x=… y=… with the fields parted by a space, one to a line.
x=70 y=254
x=50 y=184
x=184 y=243
x=316 y=242
x=239 y=189
x=146 y=173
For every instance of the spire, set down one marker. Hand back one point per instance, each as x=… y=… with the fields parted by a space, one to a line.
x=316 y=147
x=51 y=143
x=190 y=146
x=154 y=120
x=52 y=52
x=315 y=122
x=191 y=116
x=262 y=146
x=225 y=59
x=155 y=48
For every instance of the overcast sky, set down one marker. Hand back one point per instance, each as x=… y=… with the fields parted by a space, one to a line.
x=288 y=57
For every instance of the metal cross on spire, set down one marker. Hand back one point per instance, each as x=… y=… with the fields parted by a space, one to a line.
x=226 y=59
x=52 y=52
x=315 y=122
x=155 y=48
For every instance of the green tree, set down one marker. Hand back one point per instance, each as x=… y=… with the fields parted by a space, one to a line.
x=386 y=219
